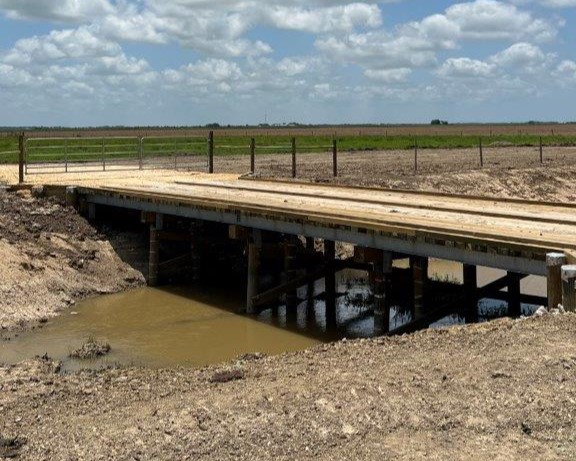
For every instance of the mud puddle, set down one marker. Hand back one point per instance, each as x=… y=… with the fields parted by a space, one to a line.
x=183 y=326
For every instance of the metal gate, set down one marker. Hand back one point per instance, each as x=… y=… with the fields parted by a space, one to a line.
x=62 y=155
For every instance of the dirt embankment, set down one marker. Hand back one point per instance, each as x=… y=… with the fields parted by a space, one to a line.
x=51 y=257
x=498 y=391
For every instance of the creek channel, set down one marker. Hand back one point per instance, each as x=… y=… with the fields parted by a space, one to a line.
x=193 y=327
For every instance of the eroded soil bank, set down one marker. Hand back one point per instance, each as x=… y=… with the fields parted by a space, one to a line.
x=503 y=390
x=50 y=258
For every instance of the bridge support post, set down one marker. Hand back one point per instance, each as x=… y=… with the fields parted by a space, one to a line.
x=419 y=266
x=91 y=211
x=382 y=285
x=195 y=254
x=514 y=304
x=330 y=283
x=554 y=263
x=291 y=273
x=253 y=276
x=569 y=288
x=154 y=257
x=470 y=277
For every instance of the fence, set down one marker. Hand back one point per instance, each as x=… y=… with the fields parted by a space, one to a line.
x=57 y=155
x=75 y=154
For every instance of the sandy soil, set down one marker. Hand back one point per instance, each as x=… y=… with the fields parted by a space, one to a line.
x=507 y=172
x=498 y=391
x=51 y=257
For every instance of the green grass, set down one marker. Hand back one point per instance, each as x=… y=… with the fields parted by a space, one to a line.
x=93 y=149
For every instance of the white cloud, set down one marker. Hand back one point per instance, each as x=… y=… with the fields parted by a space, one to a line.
x=389 y=76
x=466 y=68
x=78 y=43
x=57 y=10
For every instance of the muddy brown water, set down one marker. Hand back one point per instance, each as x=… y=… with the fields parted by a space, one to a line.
x=193 y=327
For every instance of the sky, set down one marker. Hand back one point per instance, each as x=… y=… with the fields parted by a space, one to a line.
x=193 y=62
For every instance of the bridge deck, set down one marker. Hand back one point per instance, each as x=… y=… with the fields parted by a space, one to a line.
x=509 y=234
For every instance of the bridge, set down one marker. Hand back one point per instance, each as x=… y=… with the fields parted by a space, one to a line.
x=518 y=236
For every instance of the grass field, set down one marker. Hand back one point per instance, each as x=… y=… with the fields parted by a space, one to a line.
x=94 y=148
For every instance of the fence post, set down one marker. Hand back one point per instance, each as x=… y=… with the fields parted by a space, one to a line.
x=293 y=157
x=481 y=151
x=335 y=157
x=66 y=155
x=252 y=155
x=211 y=152
x=103 y=156
x=140 y=152
x=21 y=157
x=415 y=154
x=541 y=151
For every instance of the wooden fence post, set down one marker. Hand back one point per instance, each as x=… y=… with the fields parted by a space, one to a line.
x=21 y=157
x=415 y=154
x=481 y=151
x=252 y=155
x=140 y=152
x=541 y=151
x=293 y=157
x=335 y=157
x=211 y=152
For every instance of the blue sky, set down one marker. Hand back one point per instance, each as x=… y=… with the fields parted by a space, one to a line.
x=188 y=62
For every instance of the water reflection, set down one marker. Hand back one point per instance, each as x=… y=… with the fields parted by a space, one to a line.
x=194 y=327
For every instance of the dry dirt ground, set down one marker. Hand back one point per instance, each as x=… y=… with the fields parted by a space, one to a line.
x=507 y=172
x=499 y=391
x=50 y=258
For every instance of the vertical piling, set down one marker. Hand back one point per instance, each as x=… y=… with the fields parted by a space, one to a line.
x=293 y=142
x=291 y=273
x=154 y=257
x=382 y=285
x=554 y=263
x=419 y=266
x=335 y=158
x=514 y=304
x=211 y=152
x=330 y=283
x=470 y=278
x=253 y=274
x=569 y=288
